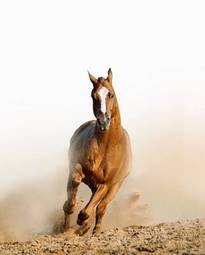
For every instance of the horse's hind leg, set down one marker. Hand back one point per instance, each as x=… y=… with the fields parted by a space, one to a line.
x=75 y=178
x=101 y=208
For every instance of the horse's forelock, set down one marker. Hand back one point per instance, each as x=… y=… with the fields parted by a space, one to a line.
x=101 y=79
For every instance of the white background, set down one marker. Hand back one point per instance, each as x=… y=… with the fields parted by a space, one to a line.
x=157 y=53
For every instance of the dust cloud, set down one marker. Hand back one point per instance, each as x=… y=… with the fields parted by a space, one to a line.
x=166 y=181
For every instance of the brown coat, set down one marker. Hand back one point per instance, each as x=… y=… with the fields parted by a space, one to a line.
x=99 y=156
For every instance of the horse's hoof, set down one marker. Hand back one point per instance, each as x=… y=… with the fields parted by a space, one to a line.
x=69 y=231
x=79 y=232
x=65 y=228
x=82 y=230
x=96 y=230
x=82 y=216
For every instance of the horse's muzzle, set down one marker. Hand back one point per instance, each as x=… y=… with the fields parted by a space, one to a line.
x=103 y=123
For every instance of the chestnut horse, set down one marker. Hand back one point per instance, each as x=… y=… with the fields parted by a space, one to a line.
x=99 y=156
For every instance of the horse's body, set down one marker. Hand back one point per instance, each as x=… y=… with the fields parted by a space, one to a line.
x=99 y=156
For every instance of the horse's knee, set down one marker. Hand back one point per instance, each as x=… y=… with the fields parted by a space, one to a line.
x=76 y=175
x=69 y=207
x=76 y=180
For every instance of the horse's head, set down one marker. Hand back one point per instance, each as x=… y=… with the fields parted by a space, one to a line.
x=103 y=97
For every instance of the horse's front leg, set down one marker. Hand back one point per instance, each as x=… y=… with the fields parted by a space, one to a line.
x=75 y=177
x=84 y=215
x=101 y=208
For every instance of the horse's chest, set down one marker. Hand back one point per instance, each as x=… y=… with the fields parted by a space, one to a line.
x=94 y=158
x=94 y=162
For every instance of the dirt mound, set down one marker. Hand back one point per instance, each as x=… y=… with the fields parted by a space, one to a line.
x=181 y=237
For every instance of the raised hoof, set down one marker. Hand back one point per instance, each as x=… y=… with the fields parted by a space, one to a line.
x=82 y=216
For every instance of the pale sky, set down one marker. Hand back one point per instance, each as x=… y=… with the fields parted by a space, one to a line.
x=156 y=50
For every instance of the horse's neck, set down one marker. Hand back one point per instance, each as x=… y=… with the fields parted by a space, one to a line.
x=116 y=119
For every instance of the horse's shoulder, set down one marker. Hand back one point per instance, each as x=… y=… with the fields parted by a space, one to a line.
x=84 y=126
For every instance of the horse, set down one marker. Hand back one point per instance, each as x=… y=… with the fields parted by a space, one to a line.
x=99 y=156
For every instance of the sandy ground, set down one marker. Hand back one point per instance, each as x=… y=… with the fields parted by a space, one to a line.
x=181 y=237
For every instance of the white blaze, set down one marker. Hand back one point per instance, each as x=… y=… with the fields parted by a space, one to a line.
x=103 y=93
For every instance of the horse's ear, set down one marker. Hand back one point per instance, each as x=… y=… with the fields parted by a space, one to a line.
x=109 y=77
x=92 y=79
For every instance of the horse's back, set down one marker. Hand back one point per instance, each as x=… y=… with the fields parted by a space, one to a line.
x=87 y=126
x=128 y=151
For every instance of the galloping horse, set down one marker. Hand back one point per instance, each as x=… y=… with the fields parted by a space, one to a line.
x=99 y=156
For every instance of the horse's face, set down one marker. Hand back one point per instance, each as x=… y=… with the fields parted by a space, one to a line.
x=103 y=99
